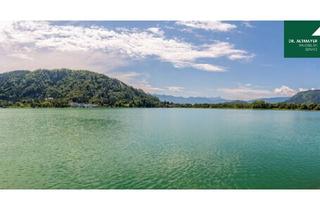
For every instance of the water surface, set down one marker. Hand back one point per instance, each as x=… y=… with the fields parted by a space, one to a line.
x=159 y=148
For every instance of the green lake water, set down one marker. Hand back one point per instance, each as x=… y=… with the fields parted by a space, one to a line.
x=159 y=148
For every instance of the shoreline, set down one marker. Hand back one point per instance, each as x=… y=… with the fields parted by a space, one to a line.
x=225 y=108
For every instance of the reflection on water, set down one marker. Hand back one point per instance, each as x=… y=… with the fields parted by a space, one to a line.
x=159 y=148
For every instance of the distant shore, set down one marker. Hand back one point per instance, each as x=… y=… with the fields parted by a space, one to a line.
x=259 y=105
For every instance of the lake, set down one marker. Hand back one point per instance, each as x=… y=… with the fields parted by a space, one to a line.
x=159 y=149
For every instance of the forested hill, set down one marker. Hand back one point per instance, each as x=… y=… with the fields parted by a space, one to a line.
x=306 y=97
x=62 y=86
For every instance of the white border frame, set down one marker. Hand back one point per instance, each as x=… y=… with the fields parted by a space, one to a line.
x=159 y=10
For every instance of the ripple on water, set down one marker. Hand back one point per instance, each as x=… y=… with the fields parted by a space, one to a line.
x=158 y=148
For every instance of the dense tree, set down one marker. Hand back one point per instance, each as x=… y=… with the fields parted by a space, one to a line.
x=64 y=87
x=306 y=97
x=242 y=105
x=57 y=88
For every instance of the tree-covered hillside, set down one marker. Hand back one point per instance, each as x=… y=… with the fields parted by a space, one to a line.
x=64 y=87
x=306 y=97
x=60 y=87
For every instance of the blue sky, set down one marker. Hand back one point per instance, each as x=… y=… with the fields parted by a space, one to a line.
x=234 y=60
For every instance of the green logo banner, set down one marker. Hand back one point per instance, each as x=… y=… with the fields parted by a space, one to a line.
x=301 y=39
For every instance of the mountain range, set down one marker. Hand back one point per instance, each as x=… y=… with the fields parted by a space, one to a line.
x=213 y=100
x=191 y=100
x=62 y=87
x=306 y=97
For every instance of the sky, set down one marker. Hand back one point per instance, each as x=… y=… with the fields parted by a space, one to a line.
x=240 y=60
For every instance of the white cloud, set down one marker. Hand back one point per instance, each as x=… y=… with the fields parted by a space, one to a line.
x=247 y=24
x=137 y=80
x=244 y=93
x=91 y=60
x=156 y=31
x=285 y=91
x=140 y=81
x=305 y=89
x=207 y=67
x=249 y=92
x=201 y=66
x=208 y=25
x=302 y=89
x=41 y=44
x=175 y=88
x=21 y=56
x=126 y=77
x=147 y=87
